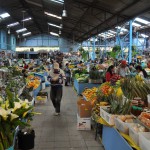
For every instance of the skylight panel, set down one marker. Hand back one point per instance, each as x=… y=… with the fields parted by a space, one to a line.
x=112 y=31
x=121 y=29
x=142 y=20
x=4 y=15
x=26 y=19
x=21 y=30
x=136 y=24
x=144 y=35
x=58 y=1
x=55 y=34
x=54 y=25
x=52 y=15
x=26 y=34
x=13 y=24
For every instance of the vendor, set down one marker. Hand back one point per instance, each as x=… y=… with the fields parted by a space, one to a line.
x=25 y=66
x=123 y=70
x=67 y=74
x=141 y=71
x=109 y=73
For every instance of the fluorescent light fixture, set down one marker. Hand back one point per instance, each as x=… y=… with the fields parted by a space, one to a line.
x=53 y=15
x=4 y=15
x=58 y=1
x=54 y=25
x=142 y=20
x=26 y=19
x=144 y=35
x=55 y=34
x=21 y=30
x=111 y=31
x=121 y=29
x=13 y=24
x=59 y=31
x=136 y=24
x=26 y=34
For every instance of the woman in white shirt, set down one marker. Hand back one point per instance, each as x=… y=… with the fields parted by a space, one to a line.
x=141 y=71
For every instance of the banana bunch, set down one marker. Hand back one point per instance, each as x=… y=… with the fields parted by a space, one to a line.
x=96 y=108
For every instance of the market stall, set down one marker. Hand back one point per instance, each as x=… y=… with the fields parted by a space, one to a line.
x=121 y=111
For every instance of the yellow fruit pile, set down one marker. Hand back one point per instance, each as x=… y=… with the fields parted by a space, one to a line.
x=96 y=108
x=90 y=95
x=33 y=83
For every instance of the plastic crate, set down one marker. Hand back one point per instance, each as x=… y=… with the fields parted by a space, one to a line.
x=134 y=134
x=109 y=118
x=122 y=126
x=144 y=140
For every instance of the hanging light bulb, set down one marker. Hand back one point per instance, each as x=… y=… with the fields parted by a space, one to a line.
x=59 y=31
x=9 y=31
x=61 y=25
x=64 y=14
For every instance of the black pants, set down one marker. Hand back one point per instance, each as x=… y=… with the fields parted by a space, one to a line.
x=56 y=96
x=67 y=81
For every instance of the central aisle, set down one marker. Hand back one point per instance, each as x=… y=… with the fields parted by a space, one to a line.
x=59 y=132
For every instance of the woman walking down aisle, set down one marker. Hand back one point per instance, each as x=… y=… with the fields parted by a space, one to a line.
x=60 y=133
x=56 y=77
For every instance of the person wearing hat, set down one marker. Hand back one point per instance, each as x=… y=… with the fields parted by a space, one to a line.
x=123 y=70
x=56 y=76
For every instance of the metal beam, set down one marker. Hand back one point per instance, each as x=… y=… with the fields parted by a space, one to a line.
x=110 y=18
x=81 y=18
x=26 y=6
x=98 y=7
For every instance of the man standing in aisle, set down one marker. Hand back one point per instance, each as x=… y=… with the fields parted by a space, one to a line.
x=56 y=77
x=123 y=70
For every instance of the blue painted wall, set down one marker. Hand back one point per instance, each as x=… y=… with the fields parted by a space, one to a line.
x=3 y=40
x=48 y=41
x=11 y=41
x=40 y=40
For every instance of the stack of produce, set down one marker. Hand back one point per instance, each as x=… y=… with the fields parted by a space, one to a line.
x=104 y=91
x=81 y=78
x=90 y=95
x=33 y=82
x=96 y=108
x=145 y=118
x=135 y=87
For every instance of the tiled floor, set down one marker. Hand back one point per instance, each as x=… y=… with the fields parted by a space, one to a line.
x=59 y=132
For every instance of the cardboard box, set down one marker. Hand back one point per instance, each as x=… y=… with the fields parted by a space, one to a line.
x=83 y=123
x=84 y=109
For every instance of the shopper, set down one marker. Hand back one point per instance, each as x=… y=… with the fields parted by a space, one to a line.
x=56 y=77
x=131 y=68
x=123 y=70
x=25 y=66
x=141 y=72
x=67 y=74
x=109 y=73
x=148 y=64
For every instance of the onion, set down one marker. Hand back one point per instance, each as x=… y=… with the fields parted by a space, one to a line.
x=129 y=121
